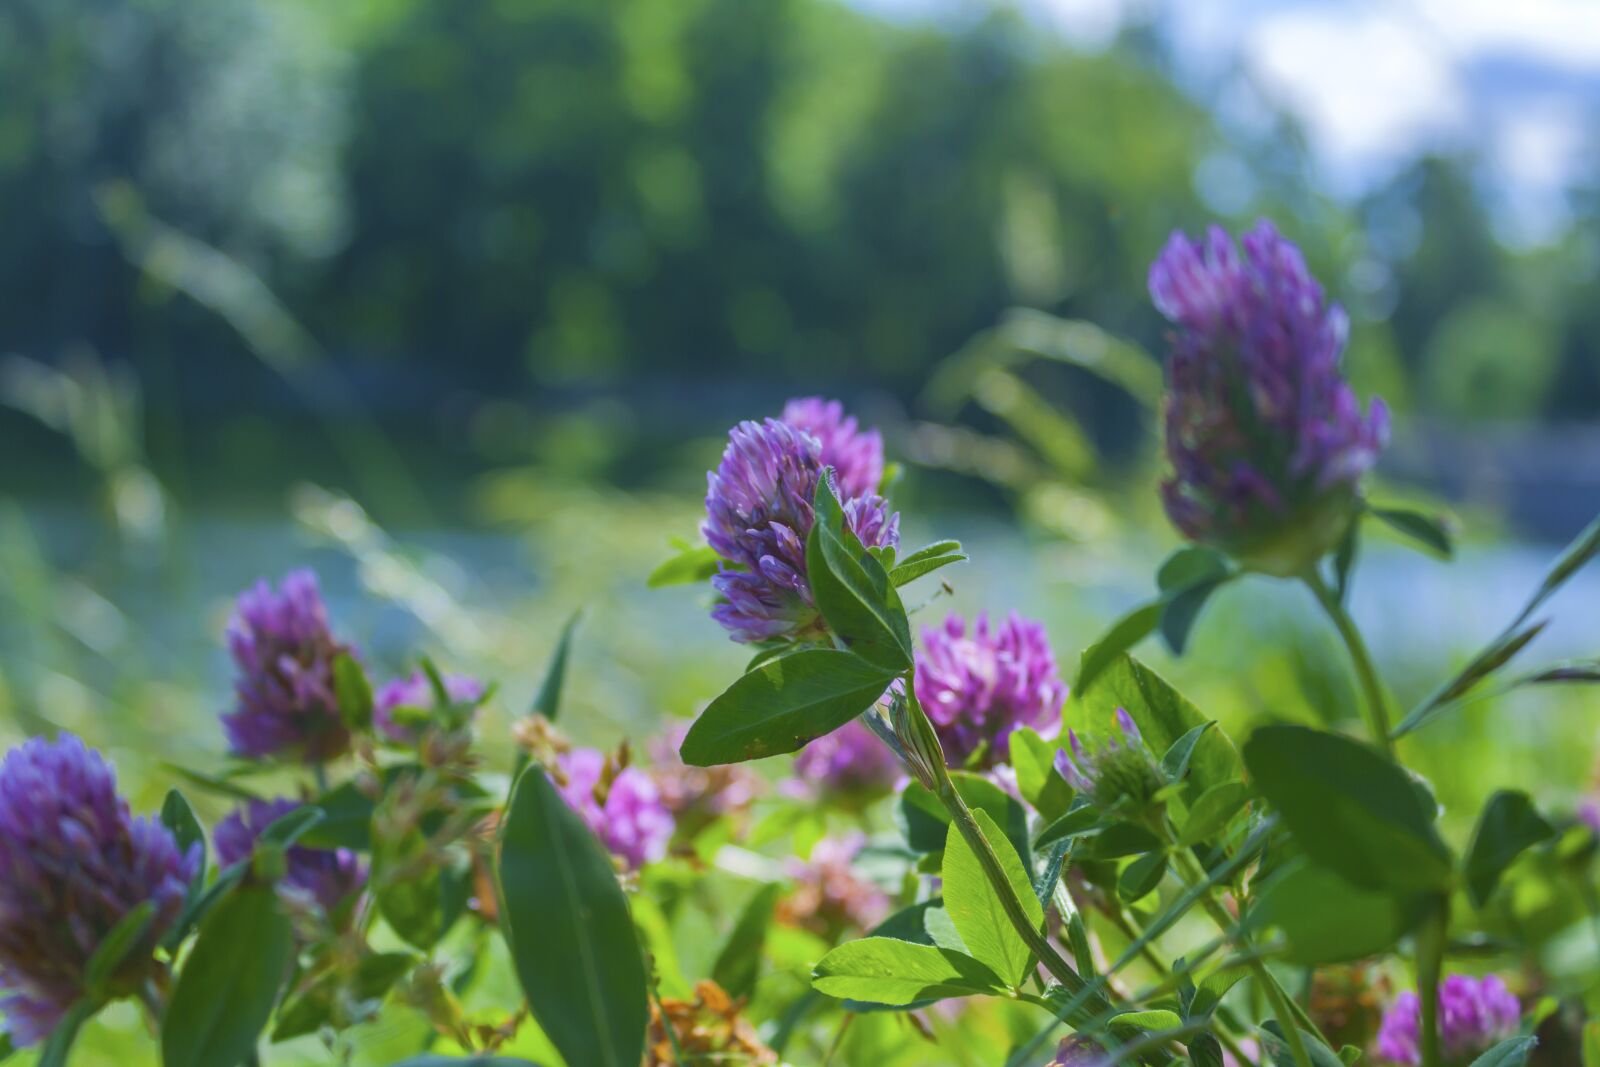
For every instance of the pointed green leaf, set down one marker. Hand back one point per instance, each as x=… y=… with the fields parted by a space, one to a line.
x=567 y=926
x=229 y=983
x=1212 y=812
x=547 y=701
x=179 y=817
x=739 y=963
x=1509 y=825
x=885 y=971
x=58 y=1046
x=1154 y=1019
x=925 y=560
x=1430 y=531
x=352 y=692
x=1126 y=632
x=1511 y=1053
x=1141 y=877
x=693 y=564
x=114 y=948
x=852 y=590
x=1175 y=763
x=1033 y=758
x=287 y=828
x=783 y=705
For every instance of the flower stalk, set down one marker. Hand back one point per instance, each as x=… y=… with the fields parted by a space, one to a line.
x=1283 y=1007
x=1375 y=702
x=921 y=744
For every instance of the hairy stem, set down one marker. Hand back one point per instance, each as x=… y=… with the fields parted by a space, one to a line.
x=1034 y=938
x=1375 y=702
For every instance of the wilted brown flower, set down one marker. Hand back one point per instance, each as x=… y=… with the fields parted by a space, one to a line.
x=709 y=1028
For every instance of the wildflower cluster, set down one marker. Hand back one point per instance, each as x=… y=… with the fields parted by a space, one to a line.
x=1105 y=865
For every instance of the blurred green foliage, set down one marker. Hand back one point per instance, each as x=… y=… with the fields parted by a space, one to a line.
x=562 y=193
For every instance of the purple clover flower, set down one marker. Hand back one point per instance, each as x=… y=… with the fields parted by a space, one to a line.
x=284 y=651
x=1078 y=1051
x=417 y=692
x=979 y=688
x=327 y=876
x=850 y=760
x=856 y=455
x=627 y=815
x=1474 y=1015
x=1267 y=441
x=758 y=513
x=1589 y=814
x=73 y=862
x=1117 y=769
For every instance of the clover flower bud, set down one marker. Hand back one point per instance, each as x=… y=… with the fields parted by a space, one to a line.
x=1116 y=771
x=758 y=514
x=283 y=652
x=73 y=863
x=1268 y=443
x=982 y=685
x=1474 y=1015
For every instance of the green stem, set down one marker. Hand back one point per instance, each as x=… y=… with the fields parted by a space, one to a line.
x=1376 y=703
x=1282 y=1007
x=1126 y=926
x=1430 y=963
x=1034 y=938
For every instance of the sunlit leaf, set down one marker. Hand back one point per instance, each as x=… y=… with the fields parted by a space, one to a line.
x=783 y=705
x=882 y=970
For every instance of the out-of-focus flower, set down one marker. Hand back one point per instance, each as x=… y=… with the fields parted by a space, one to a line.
x=829 y=898
x=1589 y=814
x=1078 y=1051
x=850 y=761
x=73 y=863
x=979 y=688
x=1267 y=441
x=758 y=513
x=697 y=795
x=1346 y=1003
x=417 y=692
x=856 y=455
x=326 y=876
x=283 y=652
x=622 y=806
x=1474 y=1015
x=1115 y=770
x=709 y=1028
